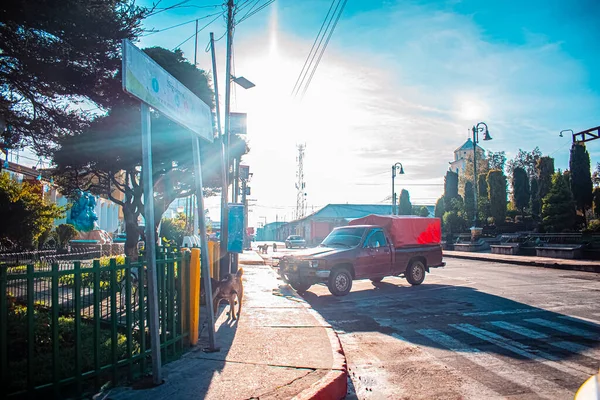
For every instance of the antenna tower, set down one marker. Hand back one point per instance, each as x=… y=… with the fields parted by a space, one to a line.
x=300 y=184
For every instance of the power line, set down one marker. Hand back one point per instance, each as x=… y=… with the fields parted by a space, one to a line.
x=251 y=13
x=167 y=8
x=181 y=24
x=324 y=48
x=199 y=30
x=313 y=46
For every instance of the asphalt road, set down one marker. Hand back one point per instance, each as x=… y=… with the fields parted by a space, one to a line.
x=472 y=330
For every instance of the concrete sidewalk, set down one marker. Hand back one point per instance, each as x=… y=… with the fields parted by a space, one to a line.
x=279 y=349
x=546 y=262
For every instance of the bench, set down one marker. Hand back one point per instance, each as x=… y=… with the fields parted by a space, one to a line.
x=480 y=245
x=509 y=249
x=570 y=252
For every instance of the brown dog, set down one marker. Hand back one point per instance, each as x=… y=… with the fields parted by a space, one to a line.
x=227 y=289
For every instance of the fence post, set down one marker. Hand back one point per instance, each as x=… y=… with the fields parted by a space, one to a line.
x=30 y=328
x=3 y=327
x=185 y=294
x=128 y=311
x=113 y=317
x=55 y=344
x=171 y=325
x=77 y=265
x=194 y=295
x=96 y=279
x=142 y=310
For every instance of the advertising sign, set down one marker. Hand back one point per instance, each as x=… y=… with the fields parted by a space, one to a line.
x=235 y=242
x=145 y=79
x=238 y=123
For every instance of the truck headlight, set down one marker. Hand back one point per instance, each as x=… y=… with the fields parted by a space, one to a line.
x=313 y=263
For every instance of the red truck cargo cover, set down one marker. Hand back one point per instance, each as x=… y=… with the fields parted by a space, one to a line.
x=406 y=229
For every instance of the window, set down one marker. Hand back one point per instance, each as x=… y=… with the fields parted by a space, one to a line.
x=376 y=239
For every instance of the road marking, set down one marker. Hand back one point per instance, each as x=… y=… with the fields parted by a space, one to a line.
x=588 y=321
x=539 y=386
x=563 y=344
x=564 y=328
x=567 y=367
x=519 y=329
x=502 y=312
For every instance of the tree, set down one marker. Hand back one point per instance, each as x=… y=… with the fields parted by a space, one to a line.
x=534 y=201
x=439 y=208
x=172 y=230
x=496 y=182
x=450 y=189
x=526 y=160
x=65 y=233
x=24 y=214
x=596 y=176
x=544 y=170
x=482 y=168
x=421 y=211
x=558 y=207
x=57 y=52
x=521 y=192
x=581 y=177
x=106 y=158
x=455 y=220
x=469 y=201
x=483 y=202
x=405 y=207
x=497 y=160
x=596 y=202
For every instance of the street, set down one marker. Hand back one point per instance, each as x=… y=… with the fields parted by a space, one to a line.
x=473 y=330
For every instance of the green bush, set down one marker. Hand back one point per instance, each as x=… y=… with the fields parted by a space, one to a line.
x=17 y=346
x=65 y=233
x=593 y=226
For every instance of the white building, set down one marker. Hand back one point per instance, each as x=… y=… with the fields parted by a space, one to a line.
x=464 y=155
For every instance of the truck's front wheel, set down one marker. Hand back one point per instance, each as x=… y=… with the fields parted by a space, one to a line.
x=300 y=286
x=415 y=273
x=340 y=282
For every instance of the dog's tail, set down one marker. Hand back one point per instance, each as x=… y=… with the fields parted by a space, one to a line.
x=239 y=272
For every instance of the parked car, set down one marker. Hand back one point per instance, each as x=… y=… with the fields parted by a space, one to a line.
x=295 y=241
x=372 y=248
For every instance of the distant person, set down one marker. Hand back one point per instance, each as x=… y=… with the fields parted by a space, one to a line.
x=274 y=247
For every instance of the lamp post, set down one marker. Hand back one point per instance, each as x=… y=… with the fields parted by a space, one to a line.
x=480 y=127
x=396 y=167
x=566 y=130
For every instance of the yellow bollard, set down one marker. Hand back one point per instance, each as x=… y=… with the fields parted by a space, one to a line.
x=183 y=270
x=213 y=259
x=194 y=295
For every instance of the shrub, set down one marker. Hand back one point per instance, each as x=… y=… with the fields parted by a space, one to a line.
x=17 y=346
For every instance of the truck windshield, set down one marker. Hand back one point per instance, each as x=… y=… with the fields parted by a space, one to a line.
x=346 y=237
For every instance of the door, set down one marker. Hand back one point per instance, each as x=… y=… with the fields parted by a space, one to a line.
x=375 y=258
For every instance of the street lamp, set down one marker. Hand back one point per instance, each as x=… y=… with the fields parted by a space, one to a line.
x=396 y=167
x=480 y=127
x=566 y=130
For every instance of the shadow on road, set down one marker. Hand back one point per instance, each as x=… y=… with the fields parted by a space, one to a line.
x=461 y=319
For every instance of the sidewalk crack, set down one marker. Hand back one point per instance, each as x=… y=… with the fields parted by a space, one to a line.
x=281 y=386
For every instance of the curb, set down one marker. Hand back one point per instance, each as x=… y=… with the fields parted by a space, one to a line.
x=334 y=385
x=541 y=264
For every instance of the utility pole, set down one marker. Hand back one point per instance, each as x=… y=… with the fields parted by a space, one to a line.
x=225 y=266
x=196 y=46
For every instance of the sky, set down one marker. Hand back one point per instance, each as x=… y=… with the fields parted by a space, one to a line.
x=401 y=81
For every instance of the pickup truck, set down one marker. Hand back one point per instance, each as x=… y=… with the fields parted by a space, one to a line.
x=383 y=246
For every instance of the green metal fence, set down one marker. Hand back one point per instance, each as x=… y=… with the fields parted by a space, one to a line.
x=68 y=328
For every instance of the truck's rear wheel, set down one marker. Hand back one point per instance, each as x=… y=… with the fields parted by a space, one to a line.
x=415 y=273
x=300 y=286
x=340 y=282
